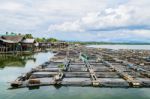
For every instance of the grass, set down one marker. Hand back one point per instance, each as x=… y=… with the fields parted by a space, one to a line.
x=61 y=65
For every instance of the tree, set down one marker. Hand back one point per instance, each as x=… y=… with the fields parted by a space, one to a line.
x=12 y=33
x=43 y=39
x=29 y=36
x=19 y=34
x=46 y=40
x=40 y=39
x=6 y=33
x=52 y=40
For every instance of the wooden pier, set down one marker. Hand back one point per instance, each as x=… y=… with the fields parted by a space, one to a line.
x=70 y=67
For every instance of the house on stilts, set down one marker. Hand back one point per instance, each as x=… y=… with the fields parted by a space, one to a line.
x=16 y=43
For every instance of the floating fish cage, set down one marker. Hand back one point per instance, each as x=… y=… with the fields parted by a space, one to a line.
x=103 y=68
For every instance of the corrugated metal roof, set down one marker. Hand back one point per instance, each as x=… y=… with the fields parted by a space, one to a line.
x=28 y=41
x=7 y=41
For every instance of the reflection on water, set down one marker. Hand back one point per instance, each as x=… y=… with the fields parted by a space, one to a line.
x=16 y=61
x=14 y=66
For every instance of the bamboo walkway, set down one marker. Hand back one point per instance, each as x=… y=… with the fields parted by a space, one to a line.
x=70 y=67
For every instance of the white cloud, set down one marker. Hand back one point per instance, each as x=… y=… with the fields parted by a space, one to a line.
x=67 y=27
x=141 y=33
x=115 y=36
x=122 y=16
x=79 y=19
x=10 y=6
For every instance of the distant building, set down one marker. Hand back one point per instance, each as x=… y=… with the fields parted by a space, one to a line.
x=59 y=44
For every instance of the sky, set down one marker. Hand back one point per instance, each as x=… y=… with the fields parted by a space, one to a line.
x=78 y=20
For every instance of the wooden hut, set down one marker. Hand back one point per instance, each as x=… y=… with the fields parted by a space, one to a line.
x=16 y=43
x=28 y=44
x=10 y=43
x=60 y=44
x=44 y=45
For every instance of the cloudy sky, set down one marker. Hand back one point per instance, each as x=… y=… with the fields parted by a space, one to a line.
x=84 y=20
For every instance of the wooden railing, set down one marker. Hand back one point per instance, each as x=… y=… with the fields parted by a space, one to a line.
x=3 y=49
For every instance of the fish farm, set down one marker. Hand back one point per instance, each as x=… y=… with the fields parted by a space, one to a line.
x=93 y=67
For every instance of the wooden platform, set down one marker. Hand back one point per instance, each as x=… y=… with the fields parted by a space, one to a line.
x=69 y=68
